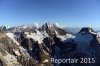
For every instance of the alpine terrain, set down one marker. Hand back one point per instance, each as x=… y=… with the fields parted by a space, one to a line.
x=36 y=45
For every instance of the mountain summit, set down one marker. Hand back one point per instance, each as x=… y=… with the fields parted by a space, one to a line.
x=87 y=30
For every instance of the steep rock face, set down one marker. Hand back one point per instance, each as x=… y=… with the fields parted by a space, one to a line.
x=95 y=43
x=4 y=28
x=62 y=50
x=36 y=47
x=39 y=46
x=87 y=30
x=7 y=48
x=12 y=54
x=87 y=41
x=52 y=28
x=23 y=28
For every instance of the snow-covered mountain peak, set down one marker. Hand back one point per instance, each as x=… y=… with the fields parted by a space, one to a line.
x=86 y=34
x=35 y=46
x=50 y=25
x=86 y=30
x=34 y=25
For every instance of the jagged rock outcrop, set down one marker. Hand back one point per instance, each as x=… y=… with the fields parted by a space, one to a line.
x=25 y=46
x=87 y=30
x=35 y=50
x=52 y=28
x=86 y=40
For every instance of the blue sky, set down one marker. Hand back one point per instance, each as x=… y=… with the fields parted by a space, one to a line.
x=66 y=12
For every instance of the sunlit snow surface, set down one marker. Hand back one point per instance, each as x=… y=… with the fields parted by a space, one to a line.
x=11 y=35
x=39 y=36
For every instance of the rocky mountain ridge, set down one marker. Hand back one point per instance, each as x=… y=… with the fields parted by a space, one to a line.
x=35 y=46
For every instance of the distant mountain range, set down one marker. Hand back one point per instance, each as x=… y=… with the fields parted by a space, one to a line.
x=34 y=45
